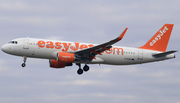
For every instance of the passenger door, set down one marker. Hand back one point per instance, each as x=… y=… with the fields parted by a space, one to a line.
x=140 y=54
x=26 y=44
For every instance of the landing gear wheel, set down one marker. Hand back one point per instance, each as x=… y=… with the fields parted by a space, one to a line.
x=86 y=68
x=23 y=65
x=80 y=71
x=24 y=59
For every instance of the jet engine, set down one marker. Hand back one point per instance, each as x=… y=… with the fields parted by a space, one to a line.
x=56 y=64
x=65 y=57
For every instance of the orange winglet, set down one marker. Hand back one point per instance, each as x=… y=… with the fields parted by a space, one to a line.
x=122 y=35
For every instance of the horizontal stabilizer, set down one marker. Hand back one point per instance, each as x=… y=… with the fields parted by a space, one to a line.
x=163 y=54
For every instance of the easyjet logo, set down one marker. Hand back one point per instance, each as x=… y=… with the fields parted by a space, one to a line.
x=158 y=37
x=74 y=47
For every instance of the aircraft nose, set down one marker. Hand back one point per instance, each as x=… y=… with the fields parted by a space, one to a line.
x=4 y=48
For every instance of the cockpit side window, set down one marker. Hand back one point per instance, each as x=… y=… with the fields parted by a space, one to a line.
x=13 y=42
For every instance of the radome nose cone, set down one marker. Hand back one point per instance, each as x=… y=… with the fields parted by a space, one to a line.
x=4 y=48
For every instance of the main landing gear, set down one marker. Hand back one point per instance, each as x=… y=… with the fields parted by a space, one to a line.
x=85 y=68
x=24 y=59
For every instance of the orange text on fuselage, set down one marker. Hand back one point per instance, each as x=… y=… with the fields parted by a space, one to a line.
x=74 y=46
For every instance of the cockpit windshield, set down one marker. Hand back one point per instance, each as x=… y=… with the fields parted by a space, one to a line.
x=13 y=42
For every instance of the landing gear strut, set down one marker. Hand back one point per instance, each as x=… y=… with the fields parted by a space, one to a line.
x=24 y=59
x=85 y=68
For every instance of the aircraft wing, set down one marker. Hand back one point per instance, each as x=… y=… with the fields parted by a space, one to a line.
x=90 y=53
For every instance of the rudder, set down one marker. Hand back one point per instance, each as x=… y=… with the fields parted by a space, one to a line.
x=160 y=40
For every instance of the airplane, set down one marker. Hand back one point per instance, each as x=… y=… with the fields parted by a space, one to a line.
x=64 y=53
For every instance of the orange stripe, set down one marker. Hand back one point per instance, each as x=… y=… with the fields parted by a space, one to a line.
x=95 y=52
x=92 y=57
x=105 y=48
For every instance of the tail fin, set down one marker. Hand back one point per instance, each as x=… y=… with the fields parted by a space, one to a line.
x=160 y=40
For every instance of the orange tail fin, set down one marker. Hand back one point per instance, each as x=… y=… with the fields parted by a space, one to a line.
x=160 y=40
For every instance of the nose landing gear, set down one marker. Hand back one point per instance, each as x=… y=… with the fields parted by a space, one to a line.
x=24 y=59
x=85 y=68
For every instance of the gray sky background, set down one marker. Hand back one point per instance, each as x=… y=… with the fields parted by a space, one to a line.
x=94 y=21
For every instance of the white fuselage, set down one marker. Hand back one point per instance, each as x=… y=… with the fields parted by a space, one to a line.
x=118 y=55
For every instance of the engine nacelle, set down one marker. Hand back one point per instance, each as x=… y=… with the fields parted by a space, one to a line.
x=56 y=64
x=65 y=57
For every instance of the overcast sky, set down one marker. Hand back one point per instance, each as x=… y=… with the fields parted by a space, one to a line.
x=92 y=21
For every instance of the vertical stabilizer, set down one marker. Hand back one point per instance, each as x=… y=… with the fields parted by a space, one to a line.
x=160 y=40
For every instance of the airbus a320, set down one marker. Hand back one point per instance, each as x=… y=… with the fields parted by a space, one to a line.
x=64 y=53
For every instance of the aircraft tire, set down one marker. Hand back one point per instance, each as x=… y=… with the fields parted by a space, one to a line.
x=86 y=68
x=23 y=65
x=80 y=71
